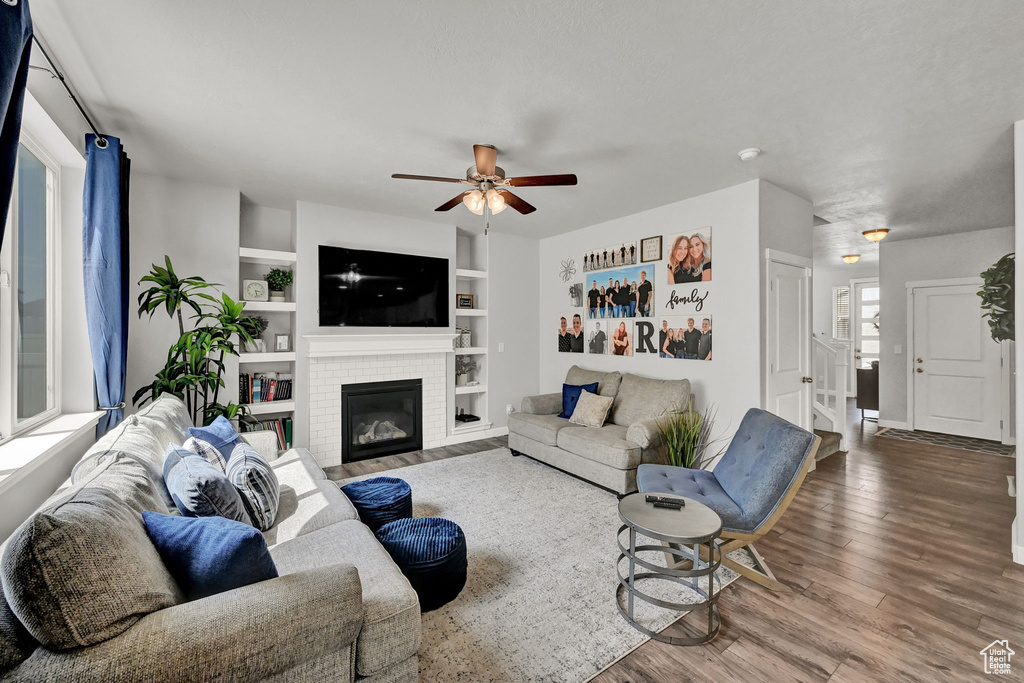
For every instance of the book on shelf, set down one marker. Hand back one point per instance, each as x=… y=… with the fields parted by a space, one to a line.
x=282 y=427
x=264 y=387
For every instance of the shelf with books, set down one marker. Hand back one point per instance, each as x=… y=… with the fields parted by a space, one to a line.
x=267 y=357
x=282 y=426
x=270 y=407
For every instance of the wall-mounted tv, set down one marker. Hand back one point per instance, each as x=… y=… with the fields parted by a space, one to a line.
x=360 y=288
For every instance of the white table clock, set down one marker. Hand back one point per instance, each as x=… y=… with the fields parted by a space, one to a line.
x=255 y=290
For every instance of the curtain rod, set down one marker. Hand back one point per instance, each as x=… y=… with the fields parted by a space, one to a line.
x=101 y=140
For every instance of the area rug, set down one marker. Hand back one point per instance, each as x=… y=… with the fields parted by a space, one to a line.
x=963 y=443
x=539 y=602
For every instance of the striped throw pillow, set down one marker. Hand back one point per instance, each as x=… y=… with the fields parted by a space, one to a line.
x=205 y=450
x=252 y=475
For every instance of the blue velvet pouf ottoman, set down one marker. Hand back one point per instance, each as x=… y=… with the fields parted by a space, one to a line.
x=431 y=552
x=380 y=500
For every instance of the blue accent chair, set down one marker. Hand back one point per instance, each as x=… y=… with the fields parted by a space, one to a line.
x=750 y=487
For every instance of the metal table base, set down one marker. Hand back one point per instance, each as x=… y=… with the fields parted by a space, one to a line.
x=685 y=577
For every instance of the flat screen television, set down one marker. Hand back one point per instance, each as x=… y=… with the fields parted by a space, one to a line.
x=360 y=288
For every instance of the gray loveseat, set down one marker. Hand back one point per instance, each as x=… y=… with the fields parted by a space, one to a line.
x=607 y=456
x=86 y=597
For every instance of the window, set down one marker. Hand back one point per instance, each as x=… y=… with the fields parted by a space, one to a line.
x=29 y=295
x=841 y=313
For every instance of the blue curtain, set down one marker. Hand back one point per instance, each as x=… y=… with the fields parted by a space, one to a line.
x=15 y=46
x=105 y=260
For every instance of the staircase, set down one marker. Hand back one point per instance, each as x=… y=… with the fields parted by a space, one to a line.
x=830 y=363
x=831 y=442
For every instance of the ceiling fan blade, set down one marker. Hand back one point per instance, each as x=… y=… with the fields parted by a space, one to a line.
x=427 y=177
x=486 y=158
x=518 y=204
x=451 y=203
x=540 y=180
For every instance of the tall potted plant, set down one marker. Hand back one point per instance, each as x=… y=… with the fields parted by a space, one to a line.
x=688 y=436
x=194 y=368
x=277 y=279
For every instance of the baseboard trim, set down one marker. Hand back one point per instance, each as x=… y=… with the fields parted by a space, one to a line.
x=893 y=424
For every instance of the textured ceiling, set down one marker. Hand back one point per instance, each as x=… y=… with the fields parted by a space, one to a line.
x=894 y=114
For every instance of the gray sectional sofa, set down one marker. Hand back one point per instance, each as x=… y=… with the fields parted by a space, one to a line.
x=86 y=597
x=607 y=456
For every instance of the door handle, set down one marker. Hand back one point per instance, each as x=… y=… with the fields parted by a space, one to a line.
x=806 y=380
x=920 y=369
x=857 y=357
x=920 y=360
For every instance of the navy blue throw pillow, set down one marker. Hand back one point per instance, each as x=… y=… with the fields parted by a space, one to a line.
x=209 y=555
x=571 y=394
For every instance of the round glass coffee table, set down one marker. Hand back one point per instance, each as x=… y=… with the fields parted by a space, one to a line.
x=691 y=553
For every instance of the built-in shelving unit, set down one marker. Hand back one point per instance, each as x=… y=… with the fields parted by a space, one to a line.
x=270 y=239
x=471 y=278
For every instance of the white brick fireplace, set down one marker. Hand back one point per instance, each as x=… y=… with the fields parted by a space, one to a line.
x=335 y=360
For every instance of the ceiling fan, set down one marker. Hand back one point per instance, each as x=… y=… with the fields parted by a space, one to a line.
x=491 y=185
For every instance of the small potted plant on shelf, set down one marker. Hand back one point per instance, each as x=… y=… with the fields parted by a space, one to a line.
x=463 y=366
x=277 y=279
x=255 y=326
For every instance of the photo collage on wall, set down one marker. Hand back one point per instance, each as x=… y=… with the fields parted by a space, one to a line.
x=618 y=313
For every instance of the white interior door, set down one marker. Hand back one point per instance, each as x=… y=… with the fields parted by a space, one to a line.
x=789 y=341
x=956 y=365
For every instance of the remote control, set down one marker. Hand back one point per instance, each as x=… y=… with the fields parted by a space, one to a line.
x=668 y=506
x=677 y=502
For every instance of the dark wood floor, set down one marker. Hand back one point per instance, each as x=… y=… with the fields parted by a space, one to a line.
x=898 y=556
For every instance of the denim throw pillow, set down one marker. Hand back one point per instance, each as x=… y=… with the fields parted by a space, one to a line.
x=571 y=394
x=199 y=489
x=252 y=475
x=209 y=555
x=214 y=442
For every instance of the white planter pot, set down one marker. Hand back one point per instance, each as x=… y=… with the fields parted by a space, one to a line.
x=276 y=296
x=460 y=380
x=255 y=346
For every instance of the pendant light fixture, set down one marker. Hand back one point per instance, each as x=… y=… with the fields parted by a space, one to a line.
x=876 y=235
x=474 y=201
x=495 y=202
x=851 y=258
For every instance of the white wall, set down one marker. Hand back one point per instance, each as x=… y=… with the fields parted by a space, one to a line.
x=513 y=289
x=928 y=258
x=733 y=378
x=318 y=224
x=197 y=226
x=265 y=227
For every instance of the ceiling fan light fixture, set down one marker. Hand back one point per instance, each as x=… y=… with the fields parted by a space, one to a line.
x=474 y=201
x=851 y=258
x=495 y=202
x=876 y=235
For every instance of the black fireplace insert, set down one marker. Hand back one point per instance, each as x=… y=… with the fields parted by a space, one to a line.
x=381 y=418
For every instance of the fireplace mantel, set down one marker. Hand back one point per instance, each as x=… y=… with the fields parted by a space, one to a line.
x=331 y=345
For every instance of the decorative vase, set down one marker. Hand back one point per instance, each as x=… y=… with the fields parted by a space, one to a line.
x=460 y=380
x=276 y=295
x=255 y=346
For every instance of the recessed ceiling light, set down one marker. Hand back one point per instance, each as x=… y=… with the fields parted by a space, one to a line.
x=876 y=235
x=749 y=153
x=851 y=258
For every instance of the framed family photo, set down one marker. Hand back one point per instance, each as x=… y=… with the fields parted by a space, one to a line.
x=650 y=249
x=689 y=257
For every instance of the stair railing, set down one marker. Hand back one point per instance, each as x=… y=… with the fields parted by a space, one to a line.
x=829 y=388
